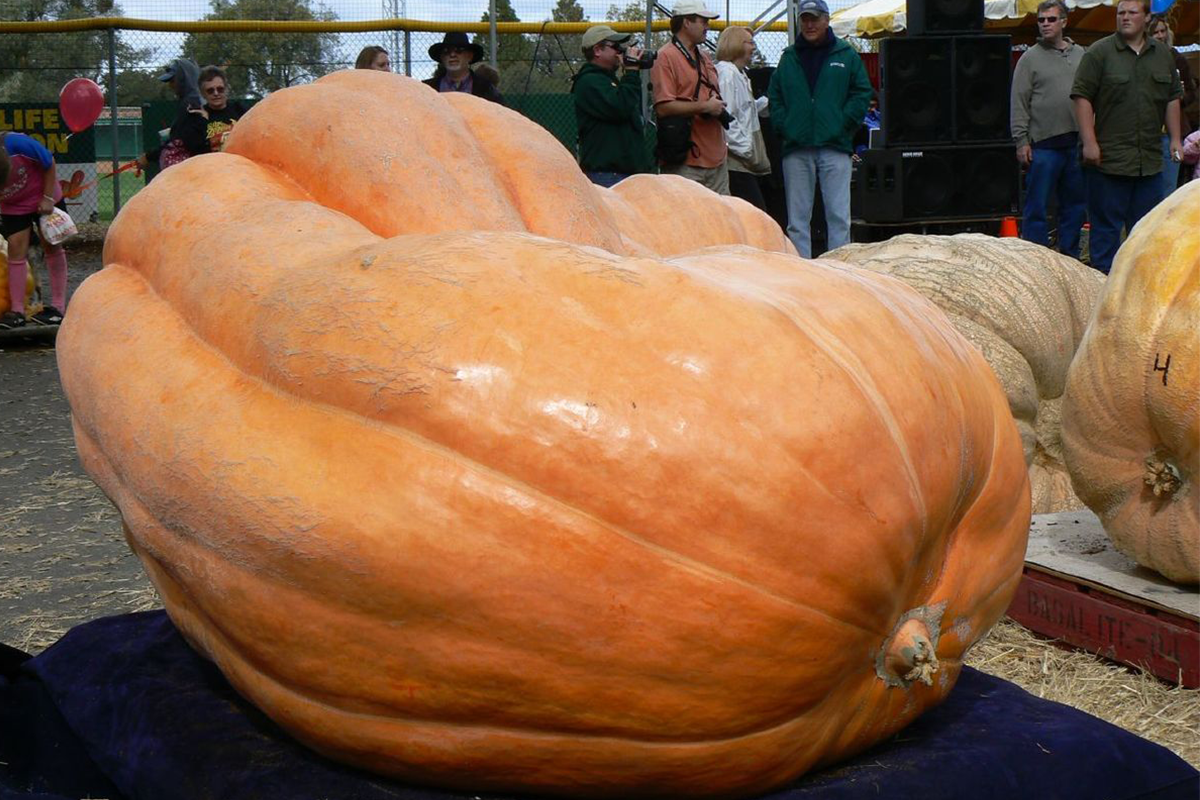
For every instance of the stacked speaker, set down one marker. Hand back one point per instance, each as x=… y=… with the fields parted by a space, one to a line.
x=944 y=150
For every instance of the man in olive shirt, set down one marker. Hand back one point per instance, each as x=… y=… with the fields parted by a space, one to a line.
x=1124 y=89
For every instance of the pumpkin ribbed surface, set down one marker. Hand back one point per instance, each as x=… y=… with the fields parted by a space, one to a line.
x=485 y=501
x=1131 y=417
x=1025 y=307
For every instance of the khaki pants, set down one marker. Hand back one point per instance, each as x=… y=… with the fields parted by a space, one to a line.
x=716 y=178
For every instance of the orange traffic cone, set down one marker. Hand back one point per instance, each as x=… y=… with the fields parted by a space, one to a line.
x=1008 y=227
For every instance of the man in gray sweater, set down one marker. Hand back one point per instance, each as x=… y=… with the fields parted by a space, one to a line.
x=1047 y=136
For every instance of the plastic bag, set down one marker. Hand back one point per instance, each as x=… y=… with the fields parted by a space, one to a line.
x=56 y=227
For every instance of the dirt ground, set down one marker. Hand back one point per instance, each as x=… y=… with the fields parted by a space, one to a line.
x=63 y=558
x=63 y=561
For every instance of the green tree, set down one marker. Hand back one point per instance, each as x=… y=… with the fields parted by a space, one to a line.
x=513 y=51
x=135 y=86
x=258 y=62
x=34 y=67
x=554 y=57
x=635 y=11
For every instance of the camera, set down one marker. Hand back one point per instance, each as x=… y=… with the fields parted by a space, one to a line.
x=644 y=61
x=725 y=118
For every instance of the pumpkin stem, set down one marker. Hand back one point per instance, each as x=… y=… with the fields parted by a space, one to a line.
x=910 y=655
x=1162 y=477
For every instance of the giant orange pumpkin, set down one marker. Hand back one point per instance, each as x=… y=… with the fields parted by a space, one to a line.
x=1131 y=411
x=460 y=479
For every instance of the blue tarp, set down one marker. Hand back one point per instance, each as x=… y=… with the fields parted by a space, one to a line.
x=123 y=708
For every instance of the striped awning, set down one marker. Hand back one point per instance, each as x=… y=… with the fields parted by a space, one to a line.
x=1089 y=19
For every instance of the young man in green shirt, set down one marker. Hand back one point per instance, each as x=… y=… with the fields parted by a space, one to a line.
x=608 y=109
x=1125 y=88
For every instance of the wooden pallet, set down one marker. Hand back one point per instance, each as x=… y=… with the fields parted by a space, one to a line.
x=1079 y=589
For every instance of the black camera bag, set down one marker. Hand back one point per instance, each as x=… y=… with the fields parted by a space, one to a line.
x=674 y=140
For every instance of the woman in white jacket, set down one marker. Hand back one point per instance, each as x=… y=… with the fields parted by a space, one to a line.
x=747 y=151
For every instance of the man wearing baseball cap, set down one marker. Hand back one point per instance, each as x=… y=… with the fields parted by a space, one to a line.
x=687 y=100
x=818 y=97
x=608 y=110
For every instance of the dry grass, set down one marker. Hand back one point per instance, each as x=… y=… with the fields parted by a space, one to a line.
x=1129 y=698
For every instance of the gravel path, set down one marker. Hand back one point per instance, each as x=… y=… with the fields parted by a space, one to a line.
x=63 y=557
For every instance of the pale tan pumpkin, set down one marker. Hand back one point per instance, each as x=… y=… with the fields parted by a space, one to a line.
x=1025 y=307
x=1131 y=414
x=460 y=481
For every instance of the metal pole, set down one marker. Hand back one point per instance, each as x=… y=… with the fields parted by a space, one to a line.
x=112 y=106
x=407 y=40
x=492 y=32
x=646 y=73
x=791 y=12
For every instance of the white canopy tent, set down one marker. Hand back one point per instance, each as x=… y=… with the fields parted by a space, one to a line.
x=1088 y=20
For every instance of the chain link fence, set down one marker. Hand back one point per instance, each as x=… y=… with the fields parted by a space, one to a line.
x=266 y=45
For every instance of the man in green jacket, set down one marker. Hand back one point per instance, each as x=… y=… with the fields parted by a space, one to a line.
x=608 y=110
x=818 y=97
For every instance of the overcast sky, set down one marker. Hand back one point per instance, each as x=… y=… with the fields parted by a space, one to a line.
x=441 y=10
x=164 y=46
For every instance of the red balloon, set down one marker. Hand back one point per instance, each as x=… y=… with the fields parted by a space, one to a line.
x=80 y=102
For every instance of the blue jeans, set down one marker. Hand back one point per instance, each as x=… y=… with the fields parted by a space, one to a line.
x=1170 y=171
x=801 y=169
x=1054 y=170
x=606 y=179
x=1116 y=201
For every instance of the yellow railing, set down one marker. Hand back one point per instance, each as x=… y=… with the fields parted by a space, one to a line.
x=313 y=26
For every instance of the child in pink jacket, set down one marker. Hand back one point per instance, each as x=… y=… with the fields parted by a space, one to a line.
x=29 y=189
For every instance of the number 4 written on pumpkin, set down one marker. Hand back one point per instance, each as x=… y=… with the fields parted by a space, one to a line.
x=1165 y=368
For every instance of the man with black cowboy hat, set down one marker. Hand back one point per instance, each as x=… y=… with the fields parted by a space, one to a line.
x=687 y=100
x=608 y=109
x=455 y=54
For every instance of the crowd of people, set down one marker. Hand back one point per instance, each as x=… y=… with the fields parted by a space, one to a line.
x=29 y=186
x=1099 y=130
x=709 y=123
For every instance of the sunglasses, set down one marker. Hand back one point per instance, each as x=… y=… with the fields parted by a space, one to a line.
x=1047 y=19
x=215 y=90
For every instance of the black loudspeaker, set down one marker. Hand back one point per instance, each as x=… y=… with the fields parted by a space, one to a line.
x=916 y=102
x=760 y=79
x=935 y=183
x=960 y=182
x=944 y=90
x=982 y=75
x=944 y=17
x=875 y=187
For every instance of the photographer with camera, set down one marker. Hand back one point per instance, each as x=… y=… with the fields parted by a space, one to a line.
x=818 y=97
x=608 y=109
x=687 y=100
